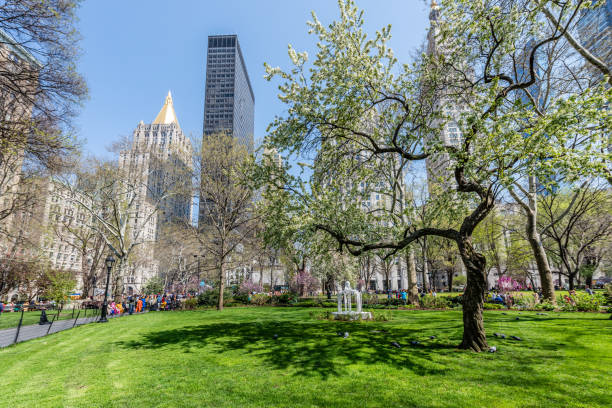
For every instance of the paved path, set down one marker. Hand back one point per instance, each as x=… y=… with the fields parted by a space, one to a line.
x=7 y=336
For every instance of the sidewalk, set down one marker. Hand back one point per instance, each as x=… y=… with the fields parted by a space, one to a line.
x=33 y=331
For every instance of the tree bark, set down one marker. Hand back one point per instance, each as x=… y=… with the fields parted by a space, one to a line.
x=425 y=268
x=535 y=241
x=85 y=275
x=570 y=280
x=413 y=292
x=546 y=278
x=221 y=285
x=474 y=337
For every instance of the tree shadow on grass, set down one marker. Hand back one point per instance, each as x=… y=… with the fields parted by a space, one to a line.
x=309 y=348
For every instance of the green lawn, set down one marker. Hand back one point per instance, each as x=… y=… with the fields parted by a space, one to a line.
x=11 y=319
x=231 y=359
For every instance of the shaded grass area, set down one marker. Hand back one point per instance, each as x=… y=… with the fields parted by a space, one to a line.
x=11 y=319
x=232 y=358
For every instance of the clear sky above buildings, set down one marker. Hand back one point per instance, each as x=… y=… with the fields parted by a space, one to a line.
x=135 y=51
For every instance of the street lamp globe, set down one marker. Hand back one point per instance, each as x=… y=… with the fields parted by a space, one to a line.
x=109 y=261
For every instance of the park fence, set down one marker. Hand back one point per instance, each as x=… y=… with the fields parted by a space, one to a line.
x=28 y=332
x=89 y=313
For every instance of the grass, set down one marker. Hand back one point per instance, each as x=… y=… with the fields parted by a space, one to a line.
x=11 y=319
x=231 y=359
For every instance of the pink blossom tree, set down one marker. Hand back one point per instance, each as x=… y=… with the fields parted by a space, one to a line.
x=248 y=286
x=303 y=283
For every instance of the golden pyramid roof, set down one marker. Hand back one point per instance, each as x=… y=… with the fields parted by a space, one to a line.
x=166 y=115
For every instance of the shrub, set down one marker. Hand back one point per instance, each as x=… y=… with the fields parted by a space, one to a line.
x=525 y=300
x=191 y=303
x=581 y=302
x=260 y=299
x=455 y=300
x=242 y=298
x=392 y=302
x=608 y=293
x=320 y=315
x=284 y=299
x=370 y=299
x=434 y=302
x=493 y=306
x=382 y=316
x=305 y=302
x=545 y=305
x=210 y=297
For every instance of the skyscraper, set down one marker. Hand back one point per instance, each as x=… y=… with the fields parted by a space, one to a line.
x=229 y=102
x=595 y=30
x=440 y=172
x=160 y=154
x=158 y=162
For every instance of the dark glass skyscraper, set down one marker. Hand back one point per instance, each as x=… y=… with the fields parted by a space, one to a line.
x=229 y=102
x=595 y=30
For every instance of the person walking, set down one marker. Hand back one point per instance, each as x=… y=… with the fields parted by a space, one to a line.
x=130 y=305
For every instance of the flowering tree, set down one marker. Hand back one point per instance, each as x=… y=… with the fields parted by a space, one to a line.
x=248 y=286
x=303 y=283
x=507 y=284
x=354 y=104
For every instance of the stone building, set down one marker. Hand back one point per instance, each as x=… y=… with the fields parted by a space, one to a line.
x=159 y=162
x=16 y=111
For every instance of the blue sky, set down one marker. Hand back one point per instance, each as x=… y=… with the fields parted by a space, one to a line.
x=135 y=51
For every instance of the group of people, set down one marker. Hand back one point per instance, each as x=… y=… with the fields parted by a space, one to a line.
x=14 y=306
x=403 y=294
x=139 y=303
x=131 y=305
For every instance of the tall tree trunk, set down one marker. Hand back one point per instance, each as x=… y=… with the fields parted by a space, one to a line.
x=425 y=269
x=449 y=277
x=85 y=275
x=221 y=284
x=546 y=278
x=413 y=292
x=474 y=337
x=117 y=281
x=535 y=241
x=571 y=278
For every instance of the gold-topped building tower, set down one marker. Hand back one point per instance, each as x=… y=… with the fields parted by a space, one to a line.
x=160 y=159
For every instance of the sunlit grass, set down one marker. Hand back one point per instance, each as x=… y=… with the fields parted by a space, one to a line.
x=232 y=359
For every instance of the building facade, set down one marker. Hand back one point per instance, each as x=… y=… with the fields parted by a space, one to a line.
x=440 y=175
x=229 y=104
x=160 y=157
x=159 y=164
x=16 y=110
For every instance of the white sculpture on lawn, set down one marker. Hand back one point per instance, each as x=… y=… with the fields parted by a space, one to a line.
x=345 y=304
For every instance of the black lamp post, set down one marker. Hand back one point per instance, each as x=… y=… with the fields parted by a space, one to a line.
x=198 y=257
x=109 y=266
